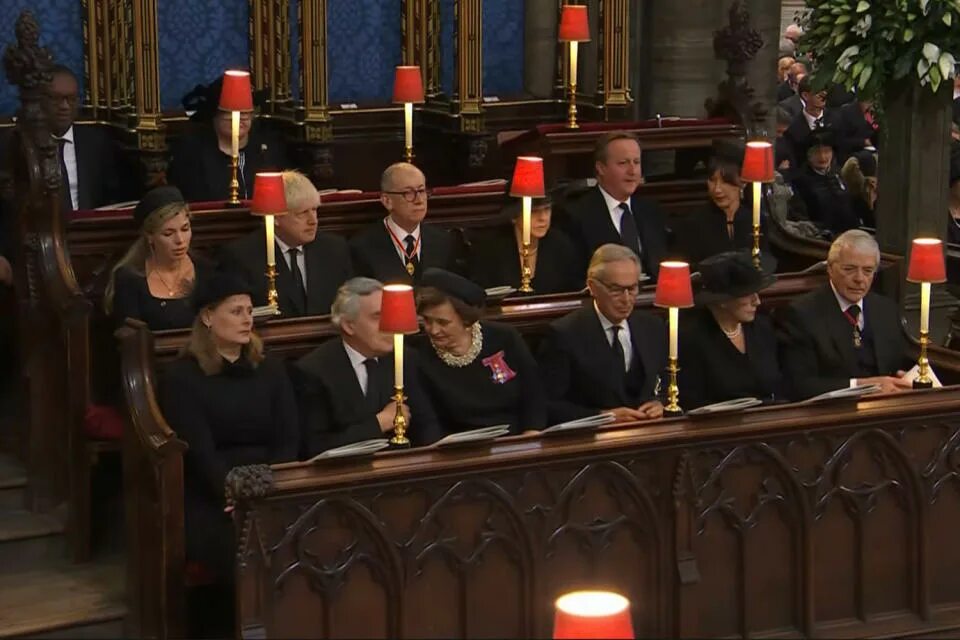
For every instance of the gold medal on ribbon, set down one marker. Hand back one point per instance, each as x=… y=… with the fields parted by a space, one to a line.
x=411 y=268
x=857 y=339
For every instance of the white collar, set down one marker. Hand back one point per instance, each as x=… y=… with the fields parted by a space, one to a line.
x=68 y=136
x=284 y=247
x=605 y=321
x=400 y=232
x=356 y=358
x=612 y=203
x=843 y=302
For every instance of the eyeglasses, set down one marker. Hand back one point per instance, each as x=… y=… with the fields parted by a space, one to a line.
x=410 y=195
x=616 y=290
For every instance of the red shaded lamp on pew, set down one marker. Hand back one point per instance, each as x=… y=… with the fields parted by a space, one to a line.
x=398 y=315
x=674 y=292
x=757 y=168
x=407 y=90
x=574 y=29
x=236 y=96
x=269 y=200
x=927 y=266
x=592 y=614
x=528 y=184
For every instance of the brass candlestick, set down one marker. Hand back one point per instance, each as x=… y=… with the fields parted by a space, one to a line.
x=673 y=389
x=755 y=252
x=572 y=109
x=234 y=182
x=272 y=295
x=526 y=273
x=408 y=154
x=399 y=422
x=923 y=381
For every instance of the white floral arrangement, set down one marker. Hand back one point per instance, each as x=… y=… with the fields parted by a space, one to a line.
x=867 y=44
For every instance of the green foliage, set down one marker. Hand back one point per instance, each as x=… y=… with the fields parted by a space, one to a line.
x=870 y=43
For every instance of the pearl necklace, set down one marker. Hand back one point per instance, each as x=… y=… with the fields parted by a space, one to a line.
x=452 y=360
x=735 y=333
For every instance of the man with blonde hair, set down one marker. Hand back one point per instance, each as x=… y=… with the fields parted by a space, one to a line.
x=311 y=264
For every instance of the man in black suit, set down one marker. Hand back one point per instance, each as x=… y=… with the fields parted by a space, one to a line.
x=400 y=248
x=345 y=385
x=611 y=212
x=856 y=132
x=606 y=357
x=814 y=115
x=842 y=335
x=311 y=264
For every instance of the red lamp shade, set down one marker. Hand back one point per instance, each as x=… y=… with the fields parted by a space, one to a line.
x=673 y=286
x=236 y=94
x=592 y=614
x=758 y=162
x=268 y=195
x=926 y=261
x=574 y=26
x=528 y=178
x=398 y=313
x=407 y=85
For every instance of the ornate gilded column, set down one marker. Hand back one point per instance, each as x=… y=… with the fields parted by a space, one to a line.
x=470 y=64
x=96 y=58
x=613 y=79
x=119 y=80
x=146 y=63
x=315 y=113
x=270 y=50
x=420 y=34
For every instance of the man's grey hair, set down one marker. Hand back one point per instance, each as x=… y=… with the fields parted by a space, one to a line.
x=855 y=239
x=346 y=305
x=607 y=253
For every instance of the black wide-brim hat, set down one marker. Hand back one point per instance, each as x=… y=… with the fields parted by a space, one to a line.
x=218 y=287
x=730 y=275
x=822 y=136
x=154 y=199
x=454 y=285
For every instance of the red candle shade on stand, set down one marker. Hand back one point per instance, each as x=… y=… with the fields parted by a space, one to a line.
x=757 y=168
x=528 y=184
x=574 y=29
x=674 y=292
x=407 y=90
x=398 y=315
x=927 y=266
x=592 y=614
x=269 y=200
x=236 y=96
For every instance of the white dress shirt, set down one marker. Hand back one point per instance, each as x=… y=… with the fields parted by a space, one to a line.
x=623 y=335
x=301 y=260
x=613 y=208
x=812 y=121
x=70 y=161
x=356 y=360
x=401 y=234
x=844 y=305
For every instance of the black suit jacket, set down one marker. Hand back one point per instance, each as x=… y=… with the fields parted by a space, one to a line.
x=327 y=262
x=334 y=410
x=577 y=364
x=792 y=104
x=797 y=134
x=495 y=261
x=588 y=223
x=99 y=181
x=375 y=256
x=816 y=345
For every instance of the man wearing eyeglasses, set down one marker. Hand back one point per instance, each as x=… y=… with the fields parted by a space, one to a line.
x=400 y=247
x=606 y=357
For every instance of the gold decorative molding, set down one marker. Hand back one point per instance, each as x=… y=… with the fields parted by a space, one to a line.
x=146 y=60
x=420 y=35
x=469 y=83
x=313 y=70
x=120 y=46
x=96 y=102
x=270 y=50
x=613 y=78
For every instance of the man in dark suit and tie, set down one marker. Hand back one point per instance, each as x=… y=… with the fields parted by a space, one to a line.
x=814 y=115
x=842 y=335
x=606 y=357
x=400 y=248
x=611 y=212
x=346 y=384
x=311 y=264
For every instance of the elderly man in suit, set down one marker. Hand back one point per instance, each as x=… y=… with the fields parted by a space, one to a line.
x=606 y=357
x=400 y=248
x=311 y=264
x=842 y=334
x=346 y=384
x=611 y=212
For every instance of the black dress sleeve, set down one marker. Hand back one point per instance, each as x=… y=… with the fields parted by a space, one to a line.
x=318 y=421
x=287 y=433
x=127 y=291
x=533 y=409
x=555 y=369
x=693 y=379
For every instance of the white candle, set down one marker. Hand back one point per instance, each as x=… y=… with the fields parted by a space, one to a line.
x=756 y=204
x=573 y=63
x=527 y=205
x=271 y=256
x=398 y=360
x=235 y=133
x=924 y=307
x=674 y=321
x=408 y=123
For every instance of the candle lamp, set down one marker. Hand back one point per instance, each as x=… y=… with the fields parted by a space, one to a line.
x=574 y=29
x=528 y=184
x=269 y=200
x=592 y=614
x=398 y=315
x=407 y=90
x=757 y=169
x=673 y=292
x=926 y=267
x=236 y=97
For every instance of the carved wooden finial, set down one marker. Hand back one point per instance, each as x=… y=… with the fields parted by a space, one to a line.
x=27 y=64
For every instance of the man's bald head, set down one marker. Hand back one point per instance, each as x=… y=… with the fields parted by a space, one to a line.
x=399 y=172
x=403 y=192
x=793 y=32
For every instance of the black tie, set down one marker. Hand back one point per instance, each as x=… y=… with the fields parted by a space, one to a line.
x=411 y=245
x=617 y=347
x=628 y=229
x=374 y=400
x=300 y=291
x=854 y=311
x=65 y=198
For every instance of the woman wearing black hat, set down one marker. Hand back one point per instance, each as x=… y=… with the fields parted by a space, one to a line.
x=232 y=406
x=495 y=259
x=153 y=282
x=728 y=350
x=477 y=374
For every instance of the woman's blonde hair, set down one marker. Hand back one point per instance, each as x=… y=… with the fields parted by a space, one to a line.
x=136 y=257
x=203 y=347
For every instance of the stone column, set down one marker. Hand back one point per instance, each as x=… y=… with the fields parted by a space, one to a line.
x=540 y=47
x=762 y=72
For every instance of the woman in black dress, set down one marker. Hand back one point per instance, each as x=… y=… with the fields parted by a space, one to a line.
x=154 y=281
x=477 y=374
x=729 y=351
x=495 y=259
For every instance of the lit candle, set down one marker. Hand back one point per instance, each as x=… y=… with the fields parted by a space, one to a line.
x=271 y=256
x=408 y=123
x=674 y=321
x=756 y=204
x=527 y=205
x=924 y=307
x=398 y=360
x=573 y=63
x=235 y=133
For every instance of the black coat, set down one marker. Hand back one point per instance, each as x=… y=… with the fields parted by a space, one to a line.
x=327 y=262
x=816 y=342
x=785 y=91
x=791 y=103
x=132 y=299
x=375 y=256
x=853 y=131
x=713 y=370
x=703 y=233
x=587 y=222
x=99 y=180
x=495 y=261
x=579 y=369
x=826 y=199
x=334 y=410
x=797 y=134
